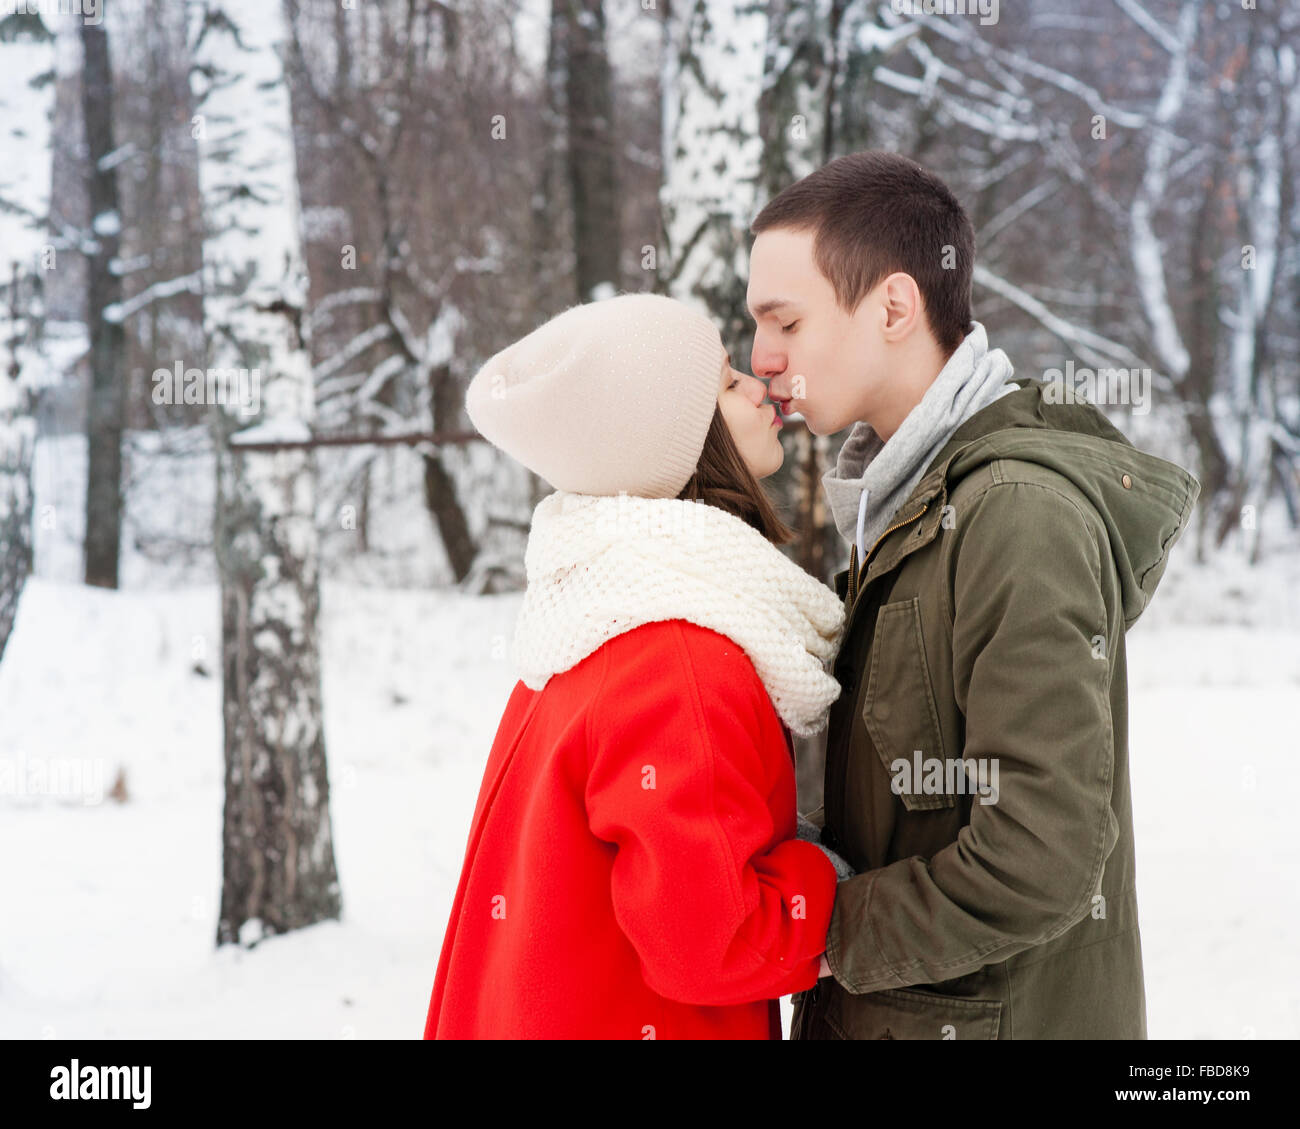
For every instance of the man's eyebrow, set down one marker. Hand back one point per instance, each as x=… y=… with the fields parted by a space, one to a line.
x=769 y=305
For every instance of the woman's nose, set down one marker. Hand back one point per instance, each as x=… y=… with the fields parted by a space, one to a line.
x=755 y=389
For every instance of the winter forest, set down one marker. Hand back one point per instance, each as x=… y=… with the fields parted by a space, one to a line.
x=258 y=572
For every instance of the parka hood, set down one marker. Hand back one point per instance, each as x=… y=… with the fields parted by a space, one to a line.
x=1144 y=501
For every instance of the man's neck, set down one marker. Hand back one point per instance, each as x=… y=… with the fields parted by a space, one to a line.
x=917 y=364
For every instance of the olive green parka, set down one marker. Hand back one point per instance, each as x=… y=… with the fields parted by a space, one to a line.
x=977 y=766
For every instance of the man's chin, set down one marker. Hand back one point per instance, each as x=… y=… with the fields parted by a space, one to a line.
x=830 y=427
x=812 y=424
x=816 y=425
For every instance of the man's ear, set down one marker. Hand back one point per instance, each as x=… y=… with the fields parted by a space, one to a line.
x=901 y=305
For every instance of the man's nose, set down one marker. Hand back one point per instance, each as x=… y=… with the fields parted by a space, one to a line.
x=766 y=362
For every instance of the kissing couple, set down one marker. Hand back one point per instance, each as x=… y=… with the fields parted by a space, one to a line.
x=636 y=867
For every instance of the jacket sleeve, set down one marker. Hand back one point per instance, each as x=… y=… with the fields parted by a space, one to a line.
x=1031 y=594
x=721 y=903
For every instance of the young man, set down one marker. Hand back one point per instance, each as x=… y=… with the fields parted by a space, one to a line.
x=1003 y=538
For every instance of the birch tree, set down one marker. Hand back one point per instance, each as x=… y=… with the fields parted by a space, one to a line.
x=26 y=108
x=1260 y=180
x=712 y=80
x=278 y=860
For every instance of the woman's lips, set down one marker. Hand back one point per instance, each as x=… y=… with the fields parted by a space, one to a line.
x=776 y=416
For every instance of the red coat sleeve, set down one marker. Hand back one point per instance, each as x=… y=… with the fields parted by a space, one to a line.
x=691 y=779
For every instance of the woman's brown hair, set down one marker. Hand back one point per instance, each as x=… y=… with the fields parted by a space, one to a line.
x=722 y=479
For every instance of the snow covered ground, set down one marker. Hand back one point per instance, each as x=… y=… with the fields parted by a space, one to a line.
x=108 y=910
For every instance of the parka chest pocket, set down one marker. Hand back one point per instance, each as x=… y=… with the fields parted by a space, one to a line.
x=899 y=709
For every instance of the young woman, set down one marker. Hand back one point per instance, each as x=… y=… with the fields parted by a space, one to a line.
x=632 y=869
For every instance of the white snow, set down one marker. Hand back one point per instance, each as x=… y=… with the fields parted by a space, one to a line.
x=873 y=37
x=188 y=283
x=26 y=111
x=107 y=224
x=112 y=931
x=273 y=431
x=117 y=156
x=26 y=106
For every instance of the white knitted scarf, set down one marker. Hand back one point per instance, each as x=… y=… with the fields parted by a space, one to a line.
x=600 y=566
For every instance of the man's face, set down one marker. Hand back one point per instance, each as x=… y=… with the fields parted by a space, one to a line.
x=815 y=355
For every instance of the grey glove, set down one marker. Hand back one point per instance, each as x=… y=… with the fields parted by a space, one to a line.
x=808 y=831
x=811 y=833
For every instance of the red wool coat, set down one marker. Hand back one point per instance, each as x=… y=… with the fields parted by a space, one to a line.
x=631 y=870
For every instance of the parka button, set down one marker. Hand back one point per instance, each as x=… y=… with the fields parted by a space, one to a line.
x=1127 y=481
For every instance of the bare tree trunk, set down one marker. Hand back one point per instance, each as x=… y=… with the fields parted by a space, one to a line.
x=278 y=857
x=551 y=214
x=440 y=487
x=107 y=400
x=1203 y=346
x=592 y=174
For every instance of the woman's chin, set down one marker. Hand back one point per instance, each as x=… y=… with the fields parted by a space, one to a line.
x=772 y=463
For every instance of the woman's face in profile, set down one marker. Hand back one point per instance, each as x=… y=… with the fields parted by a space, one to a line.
x=754 y=424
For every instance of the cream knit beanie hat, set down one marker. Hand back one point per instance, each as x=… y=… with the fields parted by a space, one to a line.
x=609 y=396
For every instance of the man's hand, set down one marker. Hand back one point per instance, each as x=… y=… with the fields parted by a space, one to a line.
x=823 y=969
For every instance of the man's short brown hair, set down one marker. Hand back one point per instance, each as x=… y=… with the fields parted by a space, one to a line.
x=875 y=213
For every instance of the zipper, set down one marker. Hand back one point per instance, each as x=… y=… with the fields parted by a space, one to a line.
x=855 y=570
